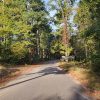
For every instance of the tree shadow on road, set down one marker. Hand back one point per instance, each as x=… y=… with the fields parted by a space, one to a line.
x=56 y=71
x=44 y=72
x=49 y=70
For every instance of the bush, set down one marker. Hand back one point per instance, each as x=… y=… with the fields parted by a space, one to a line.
x=96 y=63
x=19 y=52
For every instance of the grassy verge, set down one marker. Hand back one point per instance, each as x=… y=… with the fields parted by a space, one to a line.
x=85 y=76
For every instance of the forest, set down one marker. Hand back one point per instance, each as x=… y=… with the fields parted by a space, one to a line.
x=27 y=34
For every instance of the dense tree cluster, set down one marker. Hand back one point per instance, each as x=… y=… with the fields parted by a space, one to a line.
x=24 y=31
x=87 y=40
x=26 y=34
x=61 y=19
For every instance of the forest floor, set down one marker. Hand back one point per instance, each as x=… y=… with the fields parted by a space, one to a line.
x=81 y=73
x=11 y=72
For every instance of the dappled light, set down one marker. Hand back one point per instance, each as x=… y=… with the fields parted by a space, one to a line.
x=36 y=33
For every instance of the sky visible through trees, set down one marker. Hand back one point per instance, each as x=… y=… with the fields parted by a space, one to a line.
x=34 y=31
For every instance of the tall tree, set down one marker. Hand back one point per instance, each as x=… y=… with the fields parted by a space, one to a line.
x=24 y=29
x=62 y=8
x=88 y=21
x=12 y=23
x=40 y=26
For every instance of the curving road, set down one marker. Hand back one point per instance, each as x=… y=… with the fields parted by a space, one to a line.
x=47 y=82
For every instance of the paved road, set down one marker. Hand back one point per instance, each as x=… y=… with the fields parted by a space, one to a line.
x=46 y=82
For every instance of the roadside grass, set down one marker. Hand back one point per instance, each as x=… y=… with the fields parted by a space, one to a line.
x=82 y=73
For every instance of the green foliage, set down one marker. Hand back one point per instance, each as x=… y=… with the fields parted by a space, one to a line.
x=62 y=10
x=57 y=46
x=88 y=22
x=24 y=31
x=96 y=63
x=19 y=50
x=68 y=50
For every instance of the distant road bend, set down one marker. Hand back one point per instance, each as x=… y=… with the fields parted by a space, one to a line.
x=47 y=82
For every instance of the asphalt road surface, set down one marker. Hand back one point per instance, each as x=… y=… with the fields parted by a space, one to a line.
x=47 y=82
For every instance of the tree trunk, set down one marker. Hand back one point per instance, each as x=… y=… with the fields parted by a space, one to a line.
x=65 y=35
x=38 y=44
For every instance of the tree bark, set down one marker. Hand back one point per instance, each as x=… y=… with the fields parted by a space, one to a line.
x=65 y=36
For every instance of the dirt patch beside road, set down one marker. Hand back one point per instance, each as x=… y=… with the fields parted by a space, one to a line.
x=13 y=72
x=83 y=75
